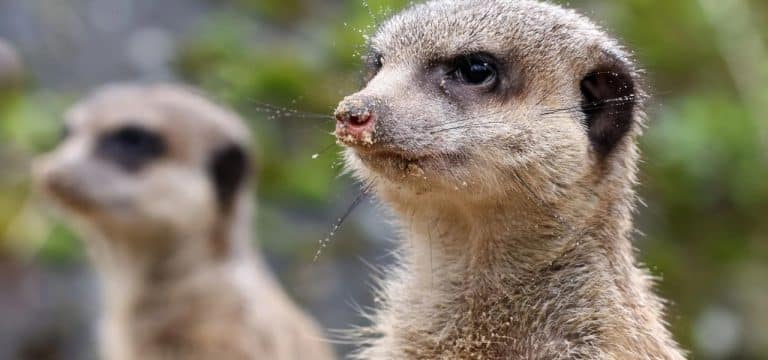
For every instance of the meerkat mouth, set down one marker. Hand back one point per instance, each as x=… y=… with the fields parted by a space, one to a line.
x=407 y=161
x=396 y=154
x=391 y=154
x=66 y=195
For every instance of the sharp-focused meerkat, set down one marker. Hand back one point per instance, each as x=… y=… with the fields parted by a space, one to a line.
x=503 y=134
x=156 y=178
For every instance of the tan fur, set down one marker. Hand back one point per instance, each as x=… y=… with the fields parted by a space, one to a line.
x=516 y=231
x=11 y=67
x=180 y=278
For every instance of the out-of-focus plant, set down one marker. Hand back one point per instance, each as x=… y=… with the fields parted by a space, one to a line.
x=30 y=125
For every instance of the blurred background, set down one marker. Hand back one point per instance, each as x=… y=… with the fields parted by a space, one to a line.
x=703 y=228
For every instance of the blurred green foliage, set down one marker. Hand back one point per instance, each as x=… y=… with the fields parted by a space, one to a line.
x=705 y=151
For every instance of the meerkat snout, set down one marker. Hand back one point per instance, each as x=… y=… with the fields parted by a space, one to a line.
x=356 y=120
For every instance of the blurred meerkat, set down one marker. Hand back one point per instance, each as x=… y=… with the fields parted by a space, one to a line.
x=503 y=135
x=156 y=179
x=11 y=67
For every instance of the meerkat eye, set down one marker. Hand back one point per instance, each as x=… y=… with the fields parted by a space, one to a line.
x=476 y=70
x=64 y=132
x=375 y=60
x=131 y=147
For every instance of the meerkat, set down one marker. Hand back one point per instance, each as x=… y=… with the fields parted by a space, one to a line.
x=155 y=179
x=503 y=136
x=11 y=67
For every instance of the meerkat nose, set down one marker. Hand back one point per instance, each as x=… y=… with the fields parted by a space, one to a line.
x=356 y=120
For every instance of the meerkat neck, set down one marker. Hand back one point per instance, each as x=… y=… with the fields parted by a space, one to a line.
x=128 y=266
x=509 y=237
x=142 y=288
x=517 y=264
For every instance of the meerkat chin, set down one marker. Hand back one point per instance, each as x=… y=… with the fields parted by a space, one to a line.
x=503 y=134
x=156 y=179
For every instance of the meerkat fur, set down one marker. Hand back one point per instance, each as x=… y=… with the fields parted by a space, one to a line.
x=503 y=136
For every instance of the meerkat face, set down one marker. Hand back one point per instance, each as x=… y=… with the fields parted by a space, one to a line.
x=144 y=162
x=474 y=95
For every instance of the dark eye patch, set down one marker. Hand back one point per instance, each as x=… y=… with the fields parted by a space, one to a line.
x=228 y=168
x=64 y=132
x=131 y=147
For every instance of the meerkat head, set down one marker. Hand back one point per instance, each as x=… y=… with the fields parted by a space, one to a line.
x=147 y=163
x=478 y=97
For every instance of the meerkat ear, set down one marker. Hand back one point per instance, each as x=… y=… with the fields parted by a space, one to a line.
x=228 y=169
x=609 y=101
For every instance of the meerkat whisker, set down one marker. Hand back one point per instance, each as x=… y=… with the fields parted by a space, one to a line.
x=325 y=150
x=286 y=112
x=608 y=103
x=469 y=126
x=575 y=109
x=279 y=114
x=466 y=119
x=340 y=221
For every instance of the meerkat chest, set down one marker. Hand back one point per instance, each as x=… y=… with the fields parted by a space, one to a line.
x=523 y=322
